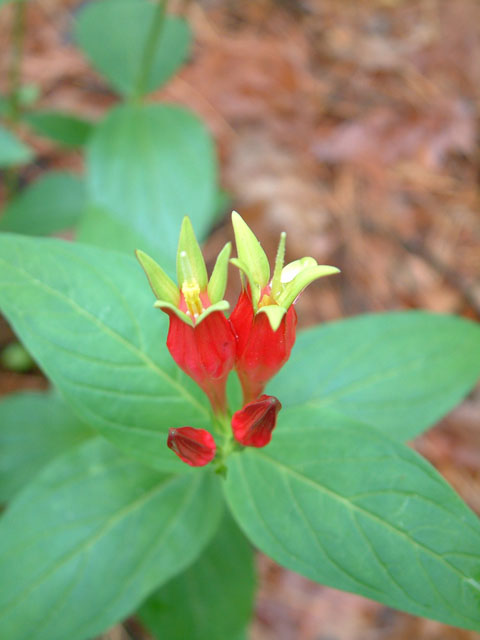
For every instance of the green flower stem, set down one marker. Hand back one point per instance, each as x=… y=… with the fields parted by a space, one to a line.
x=149 y=51
x=14 y=77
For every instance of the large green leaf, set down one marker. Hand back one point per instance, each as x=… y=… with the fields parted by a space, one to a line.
x=87 y=317
x=149 y=166
x=52 y=203
x=213 y=598
x=95 y=534
x=342 y=504
x=114 y=34
x=34 y=429
x=400 y=372
x=62 y=127
x=12 y=150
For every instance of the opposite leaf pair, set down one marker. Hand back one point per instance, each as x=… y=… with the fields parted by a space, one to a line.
x=256 y=340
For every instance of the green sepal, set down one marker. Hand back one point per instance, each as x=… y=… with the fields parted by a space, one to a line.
x=255 y=289
x=162 y=304
x=250 y=251
x=293 y=288
x=195 y=267
x=222 y=305
x=218 y=280
x=162 y=286
x=274 y=313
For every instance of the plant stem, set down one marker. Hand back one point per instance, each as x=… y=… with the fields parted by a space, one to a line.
x=149 y=50
x=14 y=78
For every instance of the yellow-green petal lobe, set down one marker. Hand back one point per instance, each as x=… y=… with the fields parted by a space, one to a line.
x=274 y=314
x=218 y=306
x=255 y=289
x=166 y=306
x=293 y=289
x=191 y=264
x=162 y=286
x=250 y=251
x=218 y=280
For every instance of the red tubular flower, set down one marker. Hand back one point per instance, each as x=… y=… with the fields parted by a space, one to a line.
x=196 y=447
x=200 y=338
x=264 y=320
x=253 y=425
x=261 y=351
x=205 y=352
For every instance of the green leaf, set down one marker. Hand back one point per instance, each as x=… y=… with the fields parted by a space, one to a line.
x=400 y=372
x=64 y=128
x=13 y=151
x=342 y=504
x=52 y=203
x=113 y=34
x=92 y=537
x=34 y=429
x=87 y=318
x=213 y=598
x=149 y=166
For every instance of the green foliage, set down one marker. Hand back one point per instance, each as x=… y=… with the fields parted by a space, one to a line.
x=119 y=56
x=133 y=175
x=34 y=429
x=16 y=358
x=213 y=598
x=13 y=151
x=92 y=537
x=52 y=203
x=365 y=514
x=64 y=128
x=400 y=372
x=92 y=328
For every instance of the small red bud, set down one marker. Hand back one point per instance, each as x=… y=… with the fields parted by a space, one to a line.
x=196 y=447
x=253 y=425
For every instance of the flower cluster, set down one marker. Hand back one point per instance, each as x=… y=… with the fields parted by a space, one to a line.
x=256 y=340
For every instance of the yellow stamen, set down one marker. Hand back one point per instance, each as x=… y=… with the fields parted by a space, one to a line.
x=265 y=301
x=191 y=292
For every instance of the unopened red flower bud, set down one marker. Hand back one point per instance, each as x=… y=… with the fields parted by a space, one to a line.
x=196 y=447
x=253 y=425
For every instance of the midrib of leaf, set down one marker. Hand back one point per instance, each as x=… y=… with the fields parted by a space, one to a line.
x=176 y=515
x=113 y=334
x=284 y=469
x=89 y=541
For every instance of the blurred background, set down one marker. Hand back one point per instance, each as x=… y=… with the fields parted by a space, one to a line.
x=354 y=127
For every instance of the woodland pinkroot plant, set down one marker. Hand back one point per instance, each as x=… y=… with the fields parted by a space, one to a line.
x=257 y=339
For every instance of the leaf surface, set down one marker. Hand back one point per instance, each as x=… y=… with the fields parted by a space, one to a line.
x=400 y=372
x=52 y=203
x=114 y=33
x=94 y=535
x=213 y=598
x=342 y=504
x=34 y=429
x=147 y=167
x=87 y=317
